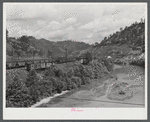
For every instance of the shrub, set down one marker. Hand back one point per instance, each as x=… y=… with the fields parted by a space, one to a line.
x=88 y=56
x=13 y=87
x=64 y=86
x=77 y=71
x=70 y=73
x=48 y=86
x=74 y=86
x=49 y=72
x=59 y=73
x=60 y=86
x=76 y=80
x=32 y=78
x=68 y=83
x=85 y=80
x=54 y=83
x=19 y=100
x=34 y=93
x=17 y=94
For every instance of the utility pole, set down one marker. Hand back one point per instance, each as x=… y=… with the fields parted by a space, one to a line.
x=52 y=57
x=12 y=54
x=32 y=54
x=66 y=55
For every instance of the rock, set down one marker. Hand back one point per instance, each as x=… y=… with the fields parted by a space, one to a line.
x=120 y=91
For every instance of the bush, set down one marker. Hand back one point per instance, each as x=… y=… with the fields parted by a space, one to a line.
x=13 y=87
x=74 y=86
x=88 y=56
x=34 y=93
x=59 y=73
x=49 y=72
x=19 y=100
x=48 y=86
x=17 y=94
x=85 y=80
x=54 y=83
x=60 y=86
x=32 y=78
x=64 y=86
x=70 y=73
x=76 y=80
x=77 y=71
x=68 y=83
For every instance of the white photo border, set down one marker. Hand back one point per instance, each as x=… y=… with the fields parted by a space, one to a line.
x=66 y=113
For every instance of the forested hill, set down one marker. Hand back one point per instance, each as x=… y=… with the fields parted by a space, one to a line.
x=27 y=46
x=122 y=42
x=117 y=44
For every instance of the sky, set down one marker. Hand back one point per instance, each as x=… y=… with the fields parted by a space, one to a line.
x=87 y=22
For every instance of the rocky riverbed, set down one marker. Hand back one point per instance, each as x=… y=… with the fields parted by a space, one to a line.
x=124 y=88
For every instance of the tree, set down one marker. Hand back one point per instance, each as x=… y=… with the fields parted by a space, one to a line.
x=88 y=57
x=32 y=78
x=141 y=20
x=24 y=42
x=121 y=29
x=49 y=53
x=40 y=53
x=96 y=43
x=105 y=38
x=19 y=53
x=6 y=35
x=23 y=39
x=33 y=51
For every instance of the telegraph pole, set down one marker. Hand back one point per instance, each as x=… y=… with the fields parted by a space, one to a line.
x=66 y=55
x=12 y=54
x=32 y=54
x=52 y=57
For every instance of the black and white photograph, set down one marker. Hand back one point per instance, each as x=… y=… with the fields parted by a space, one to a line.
x=76 y=57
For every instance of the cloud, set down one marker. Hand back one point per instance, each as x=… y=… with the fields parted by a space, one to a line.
x=29 y=11
x=77 y=21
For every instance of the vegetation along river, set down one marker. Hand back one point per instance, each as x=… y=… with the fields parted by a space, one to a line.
x=124 y=88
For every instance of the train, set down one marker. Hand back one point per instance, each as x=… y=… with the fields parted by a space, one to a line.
x=40 y=63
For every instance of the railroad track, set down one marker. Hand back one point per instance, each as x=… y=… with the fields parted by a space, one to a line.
x=38 y=63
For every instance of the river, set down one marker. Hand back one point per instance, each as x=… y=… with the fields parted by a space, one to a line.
x=96 y=93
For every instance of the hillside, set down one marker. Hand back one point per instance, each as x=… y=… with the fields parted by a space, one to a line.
x=27 y=46
x=123 y=42
x=130 y=40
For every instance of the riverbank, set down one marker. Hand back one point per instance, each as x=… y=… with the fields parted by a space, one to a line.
x=46 y=100
x=96 y=95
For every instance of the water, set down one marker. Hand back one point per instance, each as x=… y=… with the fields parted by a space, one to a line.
x=46 y=100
